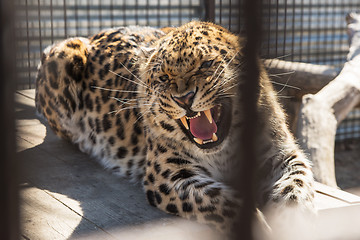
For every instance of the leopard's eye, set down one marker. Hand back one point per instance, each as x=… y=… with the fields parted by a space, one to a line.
x=207 y=64
x=164 y=78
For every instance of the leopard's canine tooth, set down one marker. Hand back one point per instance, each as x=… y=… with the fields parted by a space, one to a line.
x=198 y=140
x=208 y=115
x=184 y=122
x=214 y=137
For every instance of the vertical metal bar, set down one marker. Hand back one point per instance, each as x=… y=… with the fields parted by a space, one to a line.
x=179 y=9
x=269 y=28
x=40 y=38
x=169 y=13
x=51 y=21
x=230 y=14
x=124 y=12
x=158 y=13
x=209 y=10
x=76 y=18
x=249 y=92
x=345 y=8
x=100 y=15
x=9 y=200
x=285 y=26
x=318 y=33
x=147 y=12
x=28 y=41
x=293 y=31
x=136 y=12
x=220 y=12
x=333 y=32
x=330 y=33
x=326 y=55
x=301 y=30
x=277 y=28
x=88 y=18
x=309 y=32
x=112 y=13
x=190 y=10
x=65 y=20
x=238 y=17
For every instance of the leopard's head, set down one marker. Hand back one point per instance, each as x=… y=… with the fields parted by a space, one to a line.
x=191 y=78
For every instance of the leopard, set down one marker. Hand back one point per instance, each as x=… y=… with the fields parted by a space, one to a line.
x=162 y=106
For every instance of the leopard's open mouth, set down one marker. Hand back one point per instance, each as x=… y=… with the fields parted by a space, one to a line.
x=208 y=128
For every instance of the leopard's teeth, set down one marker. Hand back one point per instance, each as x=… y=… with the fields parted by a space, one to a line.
x=198 y=140
x=208 y=115
x=184 y=122
x=197 y=115
x=214 y=137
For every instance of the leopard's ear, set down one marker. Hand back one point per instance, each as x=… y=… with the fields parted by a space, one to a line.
x=166 y=30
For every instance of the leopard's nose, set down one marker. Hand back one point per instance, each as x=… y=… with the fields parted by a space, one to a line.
x=185 y=100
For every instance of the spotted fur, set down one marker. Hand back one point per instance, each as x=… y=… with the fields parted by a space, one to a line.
x=126 y=95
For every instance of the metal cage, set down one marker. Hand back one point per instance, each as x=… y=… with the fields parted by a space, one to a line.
x=311 y=31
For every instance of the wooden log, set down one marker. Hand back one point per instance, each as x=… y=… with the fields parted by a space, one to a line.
x=293 y=80
x=298 y=79
x=320 y=114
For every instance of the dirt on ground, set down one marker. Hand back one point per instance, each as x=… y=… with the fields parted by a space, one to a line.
x=347 y=166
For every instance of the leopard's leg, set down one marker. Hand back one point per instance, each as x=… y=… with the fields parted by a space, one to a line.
x=295 y=184
x=193 y=196
x=291 y=202
x=177 y=185
x=290 y=196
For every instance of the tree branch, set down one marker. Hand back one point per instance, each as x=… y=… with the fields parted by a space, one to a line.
x=320 y=114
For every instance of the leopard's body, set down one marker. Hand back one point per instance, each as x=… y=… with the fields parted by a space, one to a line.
x=162 y=106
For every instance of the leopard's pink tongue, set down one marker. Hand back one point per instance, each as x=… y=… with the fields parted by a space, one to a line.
x=200 y=127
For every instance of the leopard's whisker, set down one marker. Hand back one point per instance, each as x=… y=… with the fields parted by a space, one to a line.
x=281 y=74
x=283 y=56
x=156 y=117
x=130 y=80
x=285 y=85
x=142 y=114
x=141 y=83
x=124 y=101
x=131 y=73
x=123 y=109
x=228 y=88
x=222 y=61
x=283 y=96
x=228 y=79
x=226 y=66
x=226 y=95
x=128 y=102
x=118 y=90
x=145 y=72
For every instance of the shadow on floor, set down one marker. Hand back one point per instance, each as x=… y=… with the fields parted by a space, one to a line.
x=104 y=201
x=347 y=166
